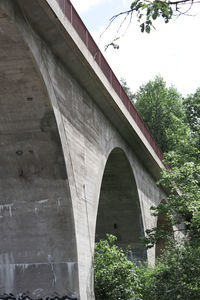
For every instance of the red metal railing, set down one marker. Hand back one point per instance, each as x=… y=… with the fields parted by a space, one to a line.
x=86 y=37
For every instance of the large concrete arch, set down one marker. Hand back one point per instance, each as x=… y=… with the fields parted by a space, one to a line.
x=119 y=211
x=91 y=122
x=38 y=252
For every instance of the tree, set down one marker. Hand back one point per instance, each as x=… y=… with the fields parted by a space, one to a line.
x=182 y=181
x=127 y=89
x=176 y=275
x=148 y=11
x=183 y=201
x=192 y=110
x=162 y=111
x=115 y=276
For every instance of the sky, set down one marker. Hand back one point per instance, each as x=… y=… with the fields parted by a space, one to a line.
x=171 y=51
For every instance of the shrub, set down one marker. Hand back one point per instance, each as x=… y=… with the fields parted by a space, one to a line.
x=115 y=277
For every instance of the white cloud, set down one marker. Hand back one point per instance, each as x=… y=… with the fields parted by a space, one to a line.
x=84 y=6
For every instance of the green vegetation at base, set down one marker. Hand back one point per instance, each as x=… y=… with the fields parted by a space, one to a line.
x=114 y=275
x=175 y=276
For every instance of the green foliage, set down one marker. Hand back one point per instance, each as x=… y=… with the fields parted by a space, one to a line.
x=175 y=124
x=162 y=110
x=128 y=91
x=148 y=11
x=182 y=181
x=113 y=44
x=177 y=273
x=183 y=201
x=115 y=276
x=192 y=108
x=175 y=276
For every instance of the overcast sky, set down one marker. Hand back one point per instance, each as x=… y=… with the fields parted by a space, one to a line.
x=172 y=50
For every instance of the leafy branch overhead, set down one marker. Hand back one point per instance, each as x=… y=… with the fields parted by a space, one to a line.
x=148 y=11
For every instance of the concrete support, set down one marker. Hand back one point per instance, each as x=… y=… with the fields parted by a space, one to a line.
x=38 y=245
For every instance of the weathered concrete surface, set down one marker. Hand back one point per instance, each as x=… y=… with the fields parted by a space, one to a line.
x=36 y=219
x=60 y=154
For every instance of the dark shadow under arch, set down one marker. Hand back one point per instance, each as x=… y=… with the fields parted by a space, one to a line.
x=119 y=210
x=160 y=245
x=38 y=246
x=162 y=224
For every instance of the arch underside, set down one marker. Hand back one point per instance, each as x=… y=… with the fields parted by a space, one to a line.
x=38 y=247
x=119 y=210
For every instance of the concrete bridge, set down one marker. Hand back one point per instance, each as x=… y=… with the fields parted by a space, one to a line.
x=76 y=160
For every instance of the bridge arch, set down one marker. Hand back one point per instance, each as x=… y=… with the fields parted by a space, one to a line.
x=38 y=245
x=119 y=211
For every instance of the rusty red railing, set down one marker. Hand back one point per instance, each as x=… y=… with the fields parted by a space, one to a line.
x=86 y=37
